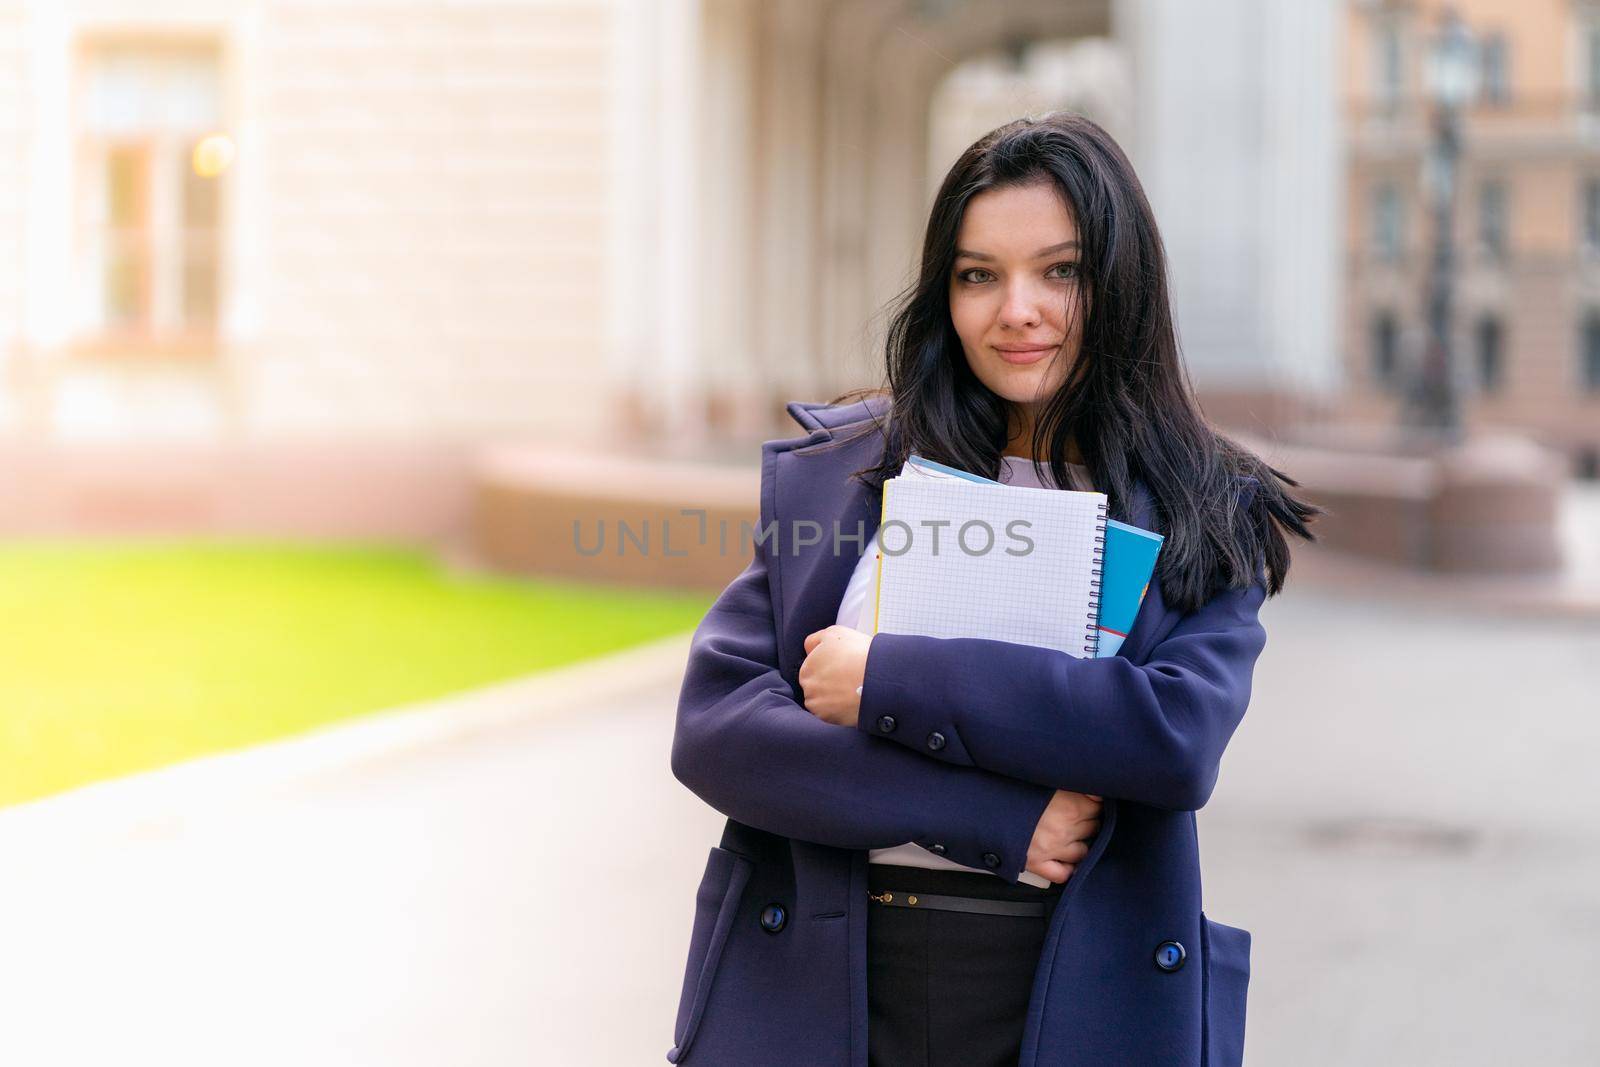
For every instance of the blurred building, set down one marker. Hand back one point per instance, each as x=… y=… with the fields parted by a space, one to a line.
x=273 y=261
x=833 y=121
x=244 y=218
x=1527 y=342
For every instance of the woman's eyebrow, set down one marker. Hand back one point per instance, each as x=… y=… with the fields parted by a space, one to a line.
x=1062 y=247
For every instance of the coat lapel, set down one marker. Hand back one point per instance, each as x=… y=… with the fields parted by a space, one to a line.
x=813 y=486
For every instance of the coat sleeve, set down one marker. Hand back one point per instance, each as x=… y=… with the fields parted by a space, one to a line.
x=1151 y=733
x=748 y=748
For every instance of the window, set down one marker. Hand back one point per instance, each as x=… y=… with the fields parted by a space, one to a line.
x=1388 y=237
x=1492 y=218
x=1496 y=81
x=1591 y=66
x=1490 y=353
x=1390 y=64
x=150 y=158
x=1591 y=216
x=1590 y=355
x=1385 y=349
x=1589 y=462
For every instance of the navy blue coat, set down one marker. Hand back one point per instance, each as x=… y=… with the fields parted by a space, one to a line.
x=777 y=970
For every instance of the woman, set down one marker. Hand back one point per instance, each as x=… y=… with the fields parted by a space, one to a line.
x=1038 y=806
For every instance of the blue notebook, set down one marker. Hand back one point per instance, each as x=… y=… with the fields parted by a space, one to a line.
x=1130 y=560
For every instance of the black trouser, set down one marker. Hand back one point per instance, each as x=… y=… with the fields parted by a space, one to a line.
x=949 y=987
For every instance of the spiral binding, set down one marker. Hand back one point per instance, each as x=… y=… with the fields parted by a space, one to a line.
x=1091 y=635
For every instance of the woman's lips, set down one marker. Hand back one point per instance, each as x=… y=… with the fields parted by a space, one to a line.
x=1025 y=356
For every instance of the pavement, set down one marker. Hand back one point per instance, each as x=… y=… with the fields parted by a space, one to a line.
x=1406 y=822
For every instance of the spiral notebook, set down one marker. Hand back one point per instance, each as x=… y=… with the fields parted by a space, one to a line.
x=962 y=558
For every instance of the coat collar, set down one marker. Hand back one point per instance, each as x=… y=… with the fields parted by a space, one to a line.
x=812 y=483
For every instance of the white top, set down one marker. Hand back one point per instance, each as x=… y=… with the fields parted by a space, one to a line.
x=856 y=609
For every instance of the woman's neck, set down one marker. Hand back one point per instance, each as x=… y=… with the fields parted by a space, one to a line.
x=1020 y=433
x=1021 y=453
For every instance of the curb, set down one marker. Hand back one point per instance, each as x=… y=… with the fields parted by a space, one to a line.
x=168 y=801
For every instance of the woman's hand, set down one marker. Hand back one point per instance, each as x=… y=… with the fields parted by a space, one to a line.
x=834 y=670
x=1061 y=839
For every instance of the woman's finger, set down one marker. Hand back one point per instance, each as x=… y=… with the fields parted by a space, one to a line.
x=1053 y=870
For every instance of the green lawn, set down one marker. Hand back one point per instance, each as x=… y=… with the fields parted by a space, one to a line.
x=119 y=657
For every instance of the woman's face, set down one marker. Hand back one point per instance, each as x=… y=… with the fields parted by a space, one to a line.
x=1013 y=291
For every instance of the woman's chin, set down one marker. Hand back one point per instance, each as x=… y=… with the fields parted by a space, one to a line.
x=1020 y=385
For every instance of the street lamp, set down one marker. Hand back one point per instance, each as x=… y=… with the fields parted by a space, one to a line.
x=1452 y=74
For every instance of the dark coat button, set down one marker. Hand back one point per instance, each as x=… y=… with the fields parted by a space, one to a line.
x=936 y=740
x=937 y=850
x=1169 y=955
x=773 y=917
x=885 y=724
x=991 y=860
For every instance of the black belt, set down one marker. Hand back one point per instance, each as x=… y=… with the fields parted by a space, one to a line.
x=977 y=905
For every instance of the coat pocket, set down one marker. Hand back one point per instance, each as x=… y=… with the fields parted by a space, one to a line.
x=716 y=905
x=1225 y=979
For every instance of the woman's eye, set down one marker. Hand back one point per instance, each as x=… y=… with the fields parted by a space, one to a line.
x=1070 y=270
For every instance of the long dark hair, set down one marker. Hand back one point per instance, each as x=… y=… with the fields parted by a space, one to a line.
x=1127 y=403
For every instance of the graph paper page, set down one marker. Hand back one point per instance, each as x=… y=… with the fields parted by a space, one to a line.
x=936 y=581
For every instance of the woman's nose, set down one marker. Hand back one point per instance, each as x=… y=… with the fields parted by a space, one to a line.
x=1021 y=307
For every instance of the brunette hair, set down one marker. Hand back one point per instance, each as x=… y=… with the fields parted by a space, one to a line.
x=1127 y=402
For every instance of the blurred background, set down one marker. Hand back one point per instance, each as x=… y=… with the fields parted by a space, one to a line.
x=331 y=333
